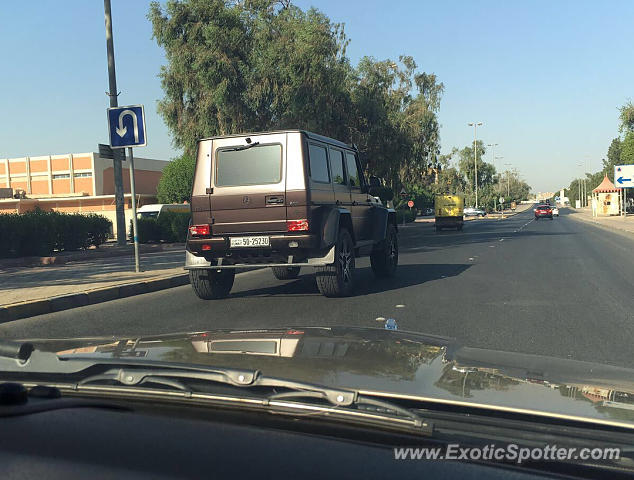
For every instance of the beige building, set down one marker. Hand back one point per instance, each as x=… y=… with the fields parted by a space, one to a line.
x=75 y=182
x=606 y=199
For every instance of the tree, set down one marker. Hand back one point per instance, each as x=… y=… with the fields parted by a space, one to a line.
x=249 y=66
x=627 y=149
x=613 y=158
x=175 y=185
x=626 y=117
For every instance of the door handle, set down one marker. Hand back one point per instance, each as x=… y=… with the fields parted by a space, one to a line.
x=274 y=200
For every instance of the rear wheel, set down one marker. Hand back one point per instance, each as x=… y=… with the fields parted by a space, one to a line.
x=285 y=273
x=337 y=280
x=385 y=260
x=212 y=284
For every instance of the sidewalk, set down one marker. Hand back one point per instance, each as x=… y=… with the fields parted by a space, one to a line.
x=30 y=291
x=624 y=224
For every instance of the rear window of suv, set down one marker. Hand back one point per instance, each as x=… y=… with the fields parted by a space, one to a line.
x=259 y=165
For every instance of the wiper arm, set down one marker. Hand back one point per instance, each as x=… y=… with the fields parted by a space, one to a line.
x=244 y=147
x=238 y=378
x=298 y=390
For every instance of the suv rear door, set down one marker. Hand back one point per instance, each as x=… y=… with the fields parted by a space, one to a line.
x=248 y=179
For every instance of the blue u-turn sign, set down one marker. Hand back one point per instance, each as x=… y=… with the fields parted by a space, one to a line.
x=127 y=126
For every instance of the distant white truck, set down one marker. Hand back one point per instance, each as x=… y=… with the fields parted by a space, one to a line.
x=154 y=210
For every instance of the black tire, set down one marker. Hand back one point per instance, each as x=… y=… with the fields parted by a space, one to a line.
x=385 y=260
x=536 y=218
x=337 y=280
x=285 y=273
x=212 y=284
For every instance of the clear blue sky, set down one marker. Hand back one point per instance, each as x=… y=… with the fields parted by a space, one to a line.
x=545 y=77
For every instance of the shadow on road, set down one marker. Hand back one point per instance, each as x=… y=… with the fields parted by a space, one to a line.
x=367 y=283
x=449 y=239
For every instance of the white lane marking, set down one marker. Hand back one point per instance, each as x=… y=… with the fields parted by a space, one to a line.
x=471 y=259
x=501 y=239
x=527 y=223
x=380 y=319
x=400 y=306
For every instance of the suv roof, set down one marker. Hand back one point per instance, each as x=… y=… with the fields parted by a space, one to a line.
x=311 y=135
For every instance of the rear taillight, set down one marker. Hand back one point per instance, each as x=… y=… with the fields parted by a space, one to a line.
x=297 y=225
x=199 y=230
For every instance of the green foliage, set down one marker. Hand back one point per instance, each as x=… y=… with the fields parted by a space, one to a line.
x=173 y=226
x=261 y=65
x=613 y=158
x=406 y=214
x=40 y=233
x=627 y=149
x=626 y=117
x=169 y=227
x=175 y=185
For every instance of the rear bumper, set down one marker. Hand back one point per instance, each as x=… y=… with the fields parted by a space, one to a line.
x=543 y=215
x=305 y=252
x=458 y=220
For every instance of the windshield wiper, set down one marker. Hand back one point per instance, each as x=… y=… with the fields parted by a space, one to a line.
x=298 y=390
x=21 y=362
x=244 y=147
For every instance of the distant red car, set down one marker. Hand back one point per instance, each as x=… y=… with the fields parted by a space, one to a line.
x=543 y=211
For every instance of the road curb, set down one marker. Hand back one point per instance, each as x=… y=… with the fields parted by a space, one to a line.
x=33 y=308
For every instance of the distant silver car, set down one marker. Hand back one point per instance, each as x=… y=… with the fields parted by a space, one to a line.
x=474 y=212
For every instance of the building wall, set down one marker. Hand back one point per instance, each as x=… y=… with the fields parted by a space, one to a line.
x=76 y=174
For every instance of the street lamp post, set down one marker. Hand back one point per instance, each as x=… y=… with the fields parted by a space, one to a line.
x=508 y=180
x=475 y=156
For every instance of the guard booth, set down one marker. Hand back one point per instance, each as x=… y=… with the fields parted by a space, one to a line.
x=606 y=199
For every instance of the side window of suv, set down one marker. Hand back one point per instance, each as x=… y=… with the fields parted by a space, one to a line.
x=336 y=167
x=353 y=172
x=318 y=163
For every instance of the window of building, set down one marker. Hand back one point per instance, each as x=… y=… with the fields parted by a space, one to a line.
x=60 y=176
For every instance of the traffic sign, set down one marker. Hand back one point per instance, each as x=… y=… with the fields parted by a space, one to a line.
x=410 y=204
x=624 y=176
x=126 y=126
x=501 y=199
x=106 y=152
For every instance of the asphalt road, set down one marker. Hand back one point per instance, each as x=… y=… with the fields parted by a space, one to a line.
x=560 y=288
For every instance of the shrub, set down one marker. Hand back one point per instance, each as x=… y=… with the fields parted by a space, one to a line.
x=408 y=215
x=169 y=227
x=174 y=226
x=40 y=233
x=149 y=230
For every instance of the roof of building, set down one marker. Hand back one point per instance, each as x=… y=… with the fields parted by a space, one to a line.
x=606 y=186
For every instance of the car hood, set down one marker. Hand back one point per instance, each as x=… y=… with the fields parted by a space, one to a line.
x=396 y=363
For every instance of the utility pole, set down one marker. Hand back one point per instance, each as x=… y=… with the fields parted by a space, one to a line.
x=508 y=180
x=475 y=157
x=116 y=161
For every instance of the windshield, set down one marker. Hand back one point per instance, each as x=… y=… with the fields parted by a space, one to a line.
x=418 y=198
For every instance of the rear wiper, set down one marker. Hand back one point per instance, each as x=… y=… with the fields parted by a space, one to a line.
x=244 y=147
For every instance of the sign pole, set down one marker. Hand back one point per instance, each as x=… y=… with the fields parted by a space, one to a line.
x=137 y=268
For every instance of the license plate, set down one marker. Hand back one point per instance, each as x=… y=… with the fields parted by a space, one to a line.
x=239 y=242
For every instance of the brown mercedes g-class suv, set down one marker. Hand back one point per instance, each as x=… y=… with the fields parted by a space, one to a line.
x=285 y=200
